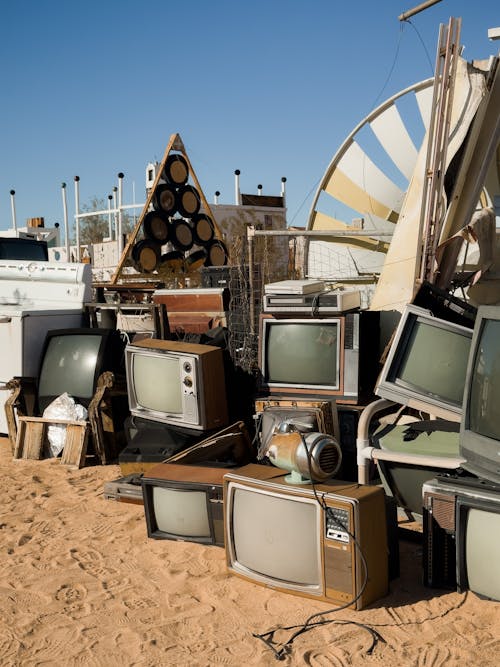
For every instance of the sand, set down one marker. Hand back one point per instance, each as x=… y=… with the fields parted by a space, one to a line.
x=82 y=584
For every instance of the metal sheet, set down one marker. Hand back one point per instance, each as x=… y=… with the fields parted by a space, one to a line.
x=395 y=139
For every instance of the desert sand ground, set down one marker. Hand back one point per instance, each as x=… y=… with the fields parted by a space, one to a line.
x=81 y=584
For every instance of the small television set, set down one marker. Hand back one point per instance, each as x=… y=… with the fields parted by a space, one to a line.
x=184 y=502
x=277 y=534
x=177 y=383
x=335 y=357
x=477 y=533
x=73 y=359
x=426 y=365
x=479 y=442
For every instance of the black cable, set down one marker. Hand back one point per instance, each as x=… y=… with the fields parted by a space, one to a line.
x=285 y=648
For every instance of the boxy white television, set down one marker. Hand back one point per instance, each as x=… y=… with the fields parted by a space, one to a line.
x=177 y=383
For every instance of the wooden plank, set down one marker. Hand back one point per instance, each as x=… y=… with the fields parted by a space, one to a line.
x=75 y=446
x=30 y=438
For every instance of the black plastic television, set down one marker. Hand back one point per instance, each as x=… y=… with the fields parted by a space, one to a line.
x=426 y=365
x=480 y=427
x=23 y=248
x=477 y=533
x=73 y=359
x=184 y=502
x=336 y=357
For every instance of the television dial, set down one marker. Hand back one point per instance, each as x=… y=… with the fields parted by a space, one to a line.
x=188 y=382
x=187 y=367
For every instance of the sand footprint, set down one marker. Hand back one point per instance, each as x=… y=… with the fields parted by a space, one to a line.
x=433 y=656
x=90 y=561
x=70 y=594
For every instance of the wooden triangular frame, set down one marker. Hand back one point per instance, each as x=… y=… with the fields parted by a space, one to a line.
x=175 y=144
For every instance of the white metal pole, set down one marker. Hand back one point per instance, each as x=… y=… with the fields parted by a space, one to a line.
x=65 y=217
x=120 y=204
x=110 y=226
x=77 y=218
x=13 y=209
x=237 y=198
x=115 y=216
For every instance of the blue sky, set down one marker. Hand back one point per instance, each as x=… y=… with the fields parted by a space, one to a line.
x=270 y=87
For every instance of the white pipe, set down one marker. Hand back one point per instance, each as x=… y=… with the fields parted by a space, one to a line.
x=110 y=226
x=283 y=193
x=65 y=218
x=115 y=211
x=259 y=189
x=237 y=194
x=450 y=462
x=216 y=197
x=13 y=210
x=120 y=203
x=363 y=439
x=77 y=219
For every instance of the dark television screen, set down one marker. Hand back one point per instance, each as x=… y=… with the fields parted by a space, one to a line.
x=480 y=429
x=21 y=248
x=72 y=361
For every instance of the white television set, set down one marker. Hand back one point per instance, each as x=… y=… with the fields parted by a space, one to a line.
x=426 y=365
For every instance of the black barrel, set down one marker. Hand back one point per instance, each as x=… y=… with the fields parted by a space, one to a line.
x=217 y=254
x=156 y=224
x=165 y=198
x=172 y=260
x=146 y=254
x=181 y=234
x=176 y=170
x=203 y=228
x=188 y=201
x=195 y=259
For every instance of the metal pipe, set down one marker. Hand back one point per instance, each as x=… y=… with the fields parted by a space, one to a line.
x=13 y=209
x=110 y=225
x=449 y=462
x=115 y=211
x=65 y=218
x=237 y=196
x=419 y=8
x=120 y=203
x=363 y=439
x=310 y=232
x=77 y=217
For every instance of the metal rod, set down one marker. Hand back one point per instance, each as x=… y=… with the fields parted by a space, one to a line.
x=310 y=232
x=65 y=218
x=77 y=221
x=13 y=209
x=419 y=8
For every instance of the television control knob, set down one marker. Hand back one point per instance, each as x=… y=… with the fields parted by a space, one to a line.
x=187 y=367
x=188 y=382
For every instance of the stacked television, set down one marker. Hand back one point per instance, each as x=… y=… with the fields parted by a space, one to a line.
x=462 y=511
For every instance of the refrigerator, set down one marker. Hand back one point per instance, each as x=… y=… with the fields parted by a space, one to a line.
x=34 y=298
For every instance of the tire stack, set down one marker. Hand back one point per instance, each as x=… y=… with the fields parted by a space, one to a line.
x=177 y=237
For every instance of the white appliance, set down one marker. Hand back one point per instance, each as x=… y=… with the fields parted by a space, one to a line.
x=34 y=298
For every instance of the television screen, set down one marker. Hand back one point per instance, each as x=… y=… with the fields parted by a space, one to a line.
x=177 y=383
x=277 y=534
x=296 y=532
x=478 y=546
x=152 y=379
x=303 y=353
x=72 y=361
x=184 y=502
x=426 y=365
x=480 y=428
x=181 y=512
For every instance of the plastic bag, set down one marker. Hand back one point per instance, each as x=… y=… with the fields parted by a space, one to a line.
x=63 y=407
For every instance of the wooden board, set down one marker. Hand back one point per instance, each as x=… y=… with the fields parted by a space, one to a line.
x=32 y=437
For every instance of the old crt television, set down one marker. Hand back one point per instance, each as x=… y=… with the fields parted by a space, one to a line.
x=480 y=427
x=184 y=502
x=278 y=535
x=426 y=365
x=478 y=544
x=335 y=357
x=73 y=359
x=177 y=383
